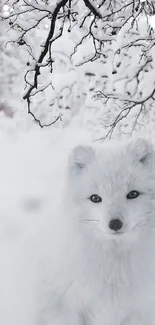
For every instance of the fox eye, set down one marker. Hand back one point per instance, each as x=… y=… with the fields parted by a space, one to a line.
x=95 y=198
x=132 y=195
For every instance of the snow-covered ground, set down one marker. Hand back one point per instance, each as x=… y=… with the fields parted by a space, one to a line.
x=32 y=169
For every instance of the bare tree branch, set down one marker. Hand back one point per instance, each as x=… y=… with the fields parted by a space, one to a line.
x=100 y=24
x=92 y=8
x=128 y=106
x=45 y=49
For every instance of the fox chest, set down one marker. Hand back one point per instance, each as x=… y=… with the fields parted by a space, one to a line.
x=118 y=302
x=121 y=301
x=120 y=293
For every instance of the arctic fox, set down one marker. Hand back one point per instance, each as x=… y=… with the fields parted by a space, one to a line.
x=105 y=267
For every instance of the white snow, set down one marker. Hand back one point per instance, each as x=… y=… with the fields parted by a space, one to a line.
x=32 y=169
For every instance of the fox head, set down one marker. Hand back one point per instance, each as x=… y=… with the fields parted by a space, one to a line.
x=113 y=187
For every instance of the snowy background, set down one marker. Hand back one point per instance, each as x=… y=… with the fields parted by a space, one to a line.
x=102 y=68
x=101 y=86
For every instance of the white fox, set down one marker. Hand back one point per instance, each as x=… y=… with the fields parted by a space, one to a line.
x=105 y=273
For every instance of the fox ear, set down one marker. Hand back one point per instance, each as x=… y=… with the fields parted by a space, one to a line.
x=142 y=149
x=81 y=156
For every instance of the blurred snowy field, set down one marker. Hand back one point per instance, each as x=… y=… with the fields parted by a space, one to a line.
x=32 y=169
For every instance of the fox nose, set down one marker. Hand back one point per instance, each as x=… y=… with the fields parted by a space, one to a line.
x=115 y=224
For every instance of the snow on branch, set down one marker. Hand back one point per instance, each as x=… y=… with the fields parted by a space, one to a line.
x=116 y=33
x=127 y=107
x=91 y=6
x=26 y=16
x=43 y=54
